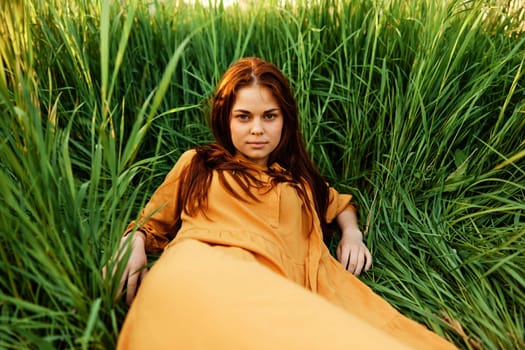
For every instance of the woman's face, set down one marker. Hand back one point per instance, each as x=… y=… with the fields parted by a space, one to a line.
x=256 y=123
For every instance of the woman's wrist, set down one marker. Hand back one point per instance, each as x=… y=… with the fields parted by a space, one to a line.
x=353 y=233
x=137 y=235
x=140 y=235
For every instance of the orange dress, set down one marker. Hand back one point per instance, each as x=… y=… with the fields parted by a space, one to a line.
x=255 y=275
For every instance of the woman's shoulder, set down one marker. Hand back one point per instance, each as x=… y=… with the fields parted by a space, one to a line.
x=184 y=160
x=187 y=156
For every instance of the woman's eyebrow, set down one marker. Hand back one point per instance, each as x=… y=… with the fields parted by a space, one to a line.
x=276 y=109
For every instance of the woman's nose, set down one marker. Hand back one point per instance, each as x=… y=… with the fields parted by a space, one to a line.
x=257 y=128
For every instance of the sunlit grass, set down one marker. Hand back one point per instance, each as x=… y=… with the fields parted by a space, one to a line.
x=416 y=108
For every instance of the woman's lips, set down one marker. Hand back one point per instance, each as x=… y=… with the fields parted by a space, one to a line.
x=260 y=144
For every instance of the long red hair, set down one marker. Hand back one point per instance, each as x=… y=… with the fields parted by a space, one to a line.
x=290 y=153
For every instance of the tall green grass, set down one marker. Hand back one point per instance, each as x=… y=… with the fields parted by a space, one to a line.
x=416 y=108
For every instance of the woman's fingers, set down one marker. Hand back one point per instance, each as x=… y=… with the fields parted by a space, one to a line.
x=134 y=280
x=133 y=283
x=134 y=270
x=143 y=274
x=123 y=280
x=355 y=257
x=343 y=254
x=357 y=260
x=368 y=259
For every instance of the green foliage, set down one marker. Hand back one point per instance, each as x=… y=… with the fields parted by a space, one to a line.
x=417 y=108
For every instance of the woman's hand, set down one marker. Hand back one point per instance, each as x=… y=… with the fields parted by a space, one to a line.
x=352 y=252
x=135 y=269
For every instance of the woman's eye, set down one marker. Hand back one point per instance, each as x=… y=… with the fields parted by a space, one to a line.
x=243 y=117
x=270 y=116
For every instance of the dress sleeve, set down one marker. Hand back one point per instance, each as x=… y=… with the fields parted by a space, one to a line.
x=158 y=220
x=338 y=202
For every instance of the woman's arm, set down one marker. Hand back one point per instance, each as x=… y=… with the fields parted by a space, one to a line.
x=351 y=251
x=151 y=232
x=159 y=218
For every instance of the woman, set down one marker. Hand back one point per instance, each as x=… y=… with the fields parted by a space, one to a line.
x=240 y=223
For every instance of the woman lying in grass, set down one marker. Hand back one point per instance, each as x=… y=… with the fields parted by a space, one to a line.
x=241 y=222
